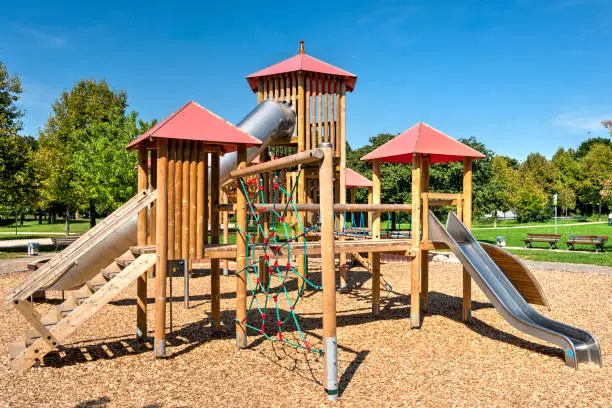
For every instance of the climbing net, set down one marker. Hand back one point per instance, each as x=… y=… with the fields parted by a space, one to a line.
x=271 y=307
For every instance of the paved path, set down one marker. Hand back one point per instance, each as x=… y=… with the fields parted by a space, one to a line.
x=16 y=243
x=20 y=264
x=541 y=226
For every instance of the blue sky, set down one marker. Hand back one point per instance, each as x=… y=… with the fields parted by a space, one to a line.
x=521 y=76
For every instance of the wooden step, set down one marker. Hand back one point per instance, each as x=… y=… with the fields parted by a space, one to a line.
x=31 y=336
x=125 y=259
x=144 y=249
x=66 y=307
x=97 y=282
x=50 y=319
x=15 y=348
x=111 y=270
x=81 y=294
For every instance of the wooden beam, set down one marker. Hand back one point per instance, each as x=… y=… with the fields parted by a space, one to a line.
x=141 y=239
x=415 y=314
x=215 y=283
x=193 y=198
x=309 y=156
x=467 y=220
x=201 y=201
x=185 y=200
x=341 y=175
x=241 y=247
x=301 y=196
x=159 y=349
x=171 y=195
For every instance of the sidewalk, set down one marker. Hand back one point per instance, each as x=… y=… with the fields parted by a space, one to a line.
x=17 y=243
x=541 y=226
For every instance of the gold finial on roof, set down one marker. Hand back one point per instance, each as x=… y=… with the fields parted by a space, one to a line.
x=302 y=47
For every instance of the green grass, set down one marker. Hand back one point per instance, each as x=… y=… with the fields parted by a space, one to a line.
x=80 y=226
x=515 y=237
x=515 y=223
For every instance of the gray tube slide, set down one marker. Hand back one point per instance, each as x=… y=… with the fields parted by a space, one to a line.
x=269 y=121
x=577 y=344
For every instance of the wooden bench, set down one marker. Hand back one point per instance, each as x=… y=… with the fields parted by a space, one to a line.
x=551 y=239
x=61 y=242
x=597 y=241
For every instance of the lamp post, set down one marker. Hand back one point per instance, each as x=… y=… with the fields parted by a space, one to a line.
x=555 y=197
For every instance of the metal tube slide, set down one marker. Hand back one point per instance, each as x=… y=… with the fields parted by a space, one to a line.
x=577 y=344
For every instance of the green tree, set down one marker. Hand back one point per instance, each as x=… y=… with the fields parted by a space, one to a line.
x=531 y=201
x=542 y=170
x=504 y=184
x=586 y=146
x=566 y=198
x=595 y=170
x=10 y=114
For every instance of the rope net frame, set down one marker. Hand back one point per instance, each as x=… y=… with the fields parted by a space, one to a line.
x=271 y=304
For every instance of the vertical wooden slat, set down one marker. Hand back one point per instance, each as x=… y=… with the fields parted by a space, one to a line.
x=260 y=91
x=201 y=201
x=425 y=252
x=415 y=315
x=153 y=210
x=185 y=200
x=193 y=198
x=159 y=348
x=171 y=195
x=326 y=109
x=282 y=89
x=141 y=239
x=287 y=89
x=306 y=108
x=375 y=256
x=294 y=93
x=467 y=220
x=225 y=262
x=319 y=110
x=241 y=246
x=332 y=117
x=215 y=284
x=276 y=89
x=178 y=200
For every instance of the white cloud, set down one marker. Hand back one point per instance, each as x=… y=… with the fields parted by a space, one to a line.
x=583 y=121
x=40 y=35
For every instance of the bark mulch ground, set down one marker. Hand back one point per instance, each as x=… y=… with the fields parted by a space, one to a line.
x=381 y=362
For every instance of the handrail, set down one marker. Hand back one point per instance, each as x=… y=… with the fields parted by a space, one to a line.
x=309 y=156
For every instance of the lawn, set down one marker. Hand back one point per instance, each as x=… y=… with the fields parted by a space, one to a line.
x=28 y=227
x=515 y=237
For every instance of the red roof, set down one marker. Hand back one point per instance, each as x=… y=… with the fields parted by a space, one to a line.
x=422 y=138
x=302 y=62
x=194 y=122
x=354 y=179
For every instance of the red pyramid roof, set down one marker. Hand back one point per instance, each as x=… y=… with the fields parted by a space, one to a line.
x=354 y=179
x=302 y=62
x=422 y=138
x=194 y=122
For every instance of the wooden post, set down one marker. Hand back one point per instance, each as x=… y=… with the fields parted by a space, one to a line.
x=301 y=198
x=425 y=252
x=326 y=176
x=375 y=256
x=415 y=314
x=467 y=220
x=141 y=239
x=241 y=245
x=193 y=200
x=159 y=349
x=260 y=91
x=153 y=209
x=185 y=200
x=225 y=216
x=215 y=283
x=178 y=200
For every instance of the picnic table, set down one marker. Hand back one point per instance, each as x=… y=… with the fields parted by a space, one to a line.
x=551 y=239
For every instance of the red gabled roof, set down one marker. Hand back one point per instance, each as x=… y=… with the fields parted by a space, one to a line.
x=302 y=62
x=194 y=122
x=422 y=138
x=354 y=179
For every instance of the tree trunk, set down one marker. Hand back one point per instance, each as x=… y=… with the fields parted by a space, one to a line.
x=67 y=221
x=40 y=217
x=77 y=214
x=21 y=219
x=495 y=219
x=92 y=214
x=393 y=221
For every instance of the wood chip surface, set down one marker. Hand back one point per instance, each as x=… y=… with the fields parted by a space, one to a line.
x=382 y=362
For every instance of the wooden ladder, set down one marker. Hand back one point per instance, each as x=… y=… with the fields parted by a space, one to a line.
x=48 y=332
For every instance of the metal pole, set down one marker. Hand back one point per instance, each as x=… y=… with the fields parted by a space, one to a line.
x=171 y=276
x=186 y=282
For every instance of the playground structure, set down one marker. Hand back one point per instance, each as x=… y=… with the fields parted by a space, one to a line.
x=178 y=213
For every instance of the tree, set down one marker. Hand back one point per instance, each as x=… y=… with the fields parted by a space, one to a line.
x=531 y=201
x=504 y=183
x=76 y=112
x=566 y=198
x=10 y=114
x=595 y=169
x=541 y=170
x=588 y=144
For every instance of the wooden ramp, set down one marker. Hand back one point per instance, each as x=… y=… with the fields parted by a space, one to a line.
x=48 y=332
x=83 y=258
x=519 y=275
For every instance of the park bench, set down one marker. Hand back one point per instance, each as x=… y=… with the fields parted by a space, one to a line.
x=61 y=242
x=551 y=239
x=597 y=241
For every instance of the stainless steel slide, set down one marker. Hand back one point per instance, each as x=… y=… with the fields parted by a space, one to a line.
x=577 y=344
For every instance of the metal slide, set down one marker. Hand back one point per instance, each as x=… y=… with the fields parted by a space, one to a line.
x=578 y=345
x=269 y=121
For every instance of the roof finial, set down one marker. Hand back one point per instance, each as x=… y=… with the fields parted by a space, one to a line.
x=302 y=47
